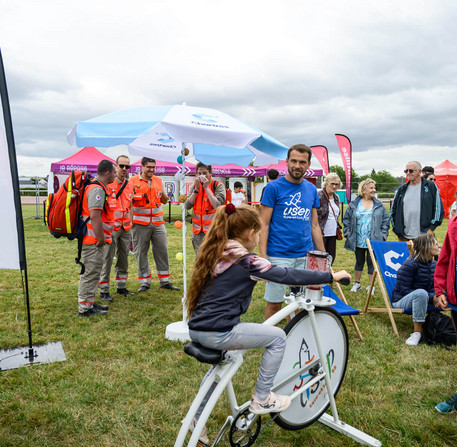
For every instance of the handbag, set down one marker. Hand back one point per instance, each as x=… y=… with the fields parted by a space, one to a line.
x=339 y=233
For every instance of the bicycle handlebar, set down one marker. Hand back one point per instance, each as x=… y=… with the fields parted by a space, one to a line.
x=296 y=289
x=345 y=281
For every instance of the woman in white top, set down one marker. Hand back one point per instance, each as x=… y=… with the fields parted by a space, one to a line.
x=328 y=211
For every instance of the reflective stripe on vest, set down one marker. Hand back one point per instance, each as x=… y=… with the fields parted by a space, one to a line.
x=147 y=205
x=107 y=229
x=200 y=221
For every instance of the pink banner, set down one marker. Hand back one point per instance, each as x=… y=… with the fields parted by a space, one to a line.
x=346 y=154
x=321 y=153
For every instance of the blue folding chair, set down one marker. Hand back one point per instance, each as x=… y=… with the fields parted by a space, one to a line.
x=387 y=258
x=342 y=307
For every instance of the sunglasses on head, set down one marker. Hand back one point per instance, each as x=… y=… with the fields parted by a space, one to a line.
x=124 y=166
x=410 y=171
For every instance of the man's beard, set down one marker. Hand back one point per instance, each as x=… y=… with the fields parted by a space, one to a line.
x=297 y=174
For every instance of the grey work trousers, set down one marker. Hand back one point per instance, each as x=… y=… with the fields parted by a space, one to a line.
x=197 y=240
x=143 y=237
x=92 y=257
x=121 y=247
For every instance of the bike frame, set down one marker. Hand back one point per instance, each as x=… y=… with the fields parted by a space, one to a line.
x=224 y=371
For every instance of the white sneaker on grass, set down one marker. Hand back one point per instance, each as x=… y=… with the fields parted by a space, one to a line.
x=203 y=435
x=414 y=339
x=372 y=290
x=356 y=287
x=274 y=403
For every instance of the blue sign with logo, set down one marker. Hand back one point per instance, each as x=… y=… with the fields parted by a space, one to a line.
x=390 y=257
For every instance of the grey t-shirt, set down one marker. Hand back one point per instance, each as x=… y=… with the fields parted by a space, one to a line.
x=412 y=211
x=96 y=197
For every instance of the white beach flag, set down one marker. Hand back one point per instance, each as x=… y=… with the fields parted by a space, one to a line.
x=9 y=253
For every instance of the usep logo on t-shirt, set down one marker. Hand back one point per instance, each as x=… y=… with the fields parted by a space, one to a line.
x=293 y=210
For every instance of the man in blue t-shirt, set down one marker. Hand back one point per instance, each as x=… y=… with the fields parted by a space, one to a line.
x=289 y=221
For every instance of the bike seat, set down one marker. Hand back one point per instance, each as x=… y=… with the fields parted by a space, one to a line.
x=203 y=354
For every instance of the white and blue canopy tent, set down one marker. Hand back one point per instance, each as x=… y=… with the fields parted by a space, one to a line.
x=211 y=136
x=171 y=133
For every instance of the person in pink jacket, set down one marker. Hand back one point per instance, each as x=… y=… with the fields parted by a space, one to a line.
x=445 y=267
x=445 y=289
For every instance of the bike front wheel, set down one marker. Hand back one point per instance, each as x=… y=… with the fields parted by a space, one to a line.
x=301 y=355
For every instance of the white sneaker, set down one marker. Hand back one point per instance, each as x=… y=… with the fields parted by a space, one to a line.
x=203 y=435
x=414 y=339
x=356 y=287
x=274 y=403
x=372 y=290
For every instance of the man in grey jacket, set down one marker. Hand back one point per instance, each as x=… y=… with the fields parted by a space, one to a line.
x=417 y=206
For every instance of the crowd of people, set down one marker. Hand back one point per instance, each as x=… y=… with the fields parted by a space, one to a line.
x=118 y=209
x=294 y=218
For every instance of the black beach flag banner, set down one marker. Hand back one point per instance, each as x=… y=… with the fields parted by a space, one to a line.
x=12 y=254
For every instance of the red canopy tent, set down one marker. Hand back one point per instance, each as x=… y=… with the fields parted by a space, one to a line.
x=86 y=159
x=446 y=180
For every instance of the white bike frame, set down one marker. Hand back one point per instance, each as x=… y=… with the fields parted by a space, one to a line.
x=224 y=371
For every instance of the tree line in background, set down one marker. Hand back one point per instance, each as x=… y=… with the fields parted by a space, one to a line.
x=385 y=181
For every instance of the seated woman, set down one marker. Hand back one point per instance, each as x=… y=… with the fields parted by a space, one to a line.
x=414 y=287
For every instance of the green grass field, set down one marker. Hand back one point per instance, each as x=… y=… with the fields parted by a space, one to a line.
x=124 y=384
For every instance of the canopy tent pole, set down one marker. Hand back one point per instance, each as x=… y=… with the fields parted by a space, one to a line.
x=179 y=329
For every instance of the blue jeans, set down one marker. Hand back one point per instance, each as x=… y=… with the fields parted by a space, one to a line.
x=247 y=336
x=418 y=301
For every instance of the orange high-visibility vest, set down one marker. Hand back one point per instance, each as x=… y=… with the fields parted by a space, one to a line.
x=147 y=207
x=107 y=216
x=203 y=211
x=122 y=216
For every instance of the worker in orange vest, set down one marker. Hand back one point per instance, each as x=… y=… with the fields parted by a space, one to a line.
x=123 y=189
x=205 y=196
x=98 y=210
x=149 y=226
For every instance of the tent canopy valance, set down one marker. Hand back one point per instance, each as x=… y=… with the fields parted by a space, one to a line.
x=229 y=170
x=282 y=169
x=88 y=158
x=165 y=168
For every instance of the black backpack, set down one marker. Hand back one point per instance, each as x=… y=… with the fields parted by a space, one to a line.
x=439 y=329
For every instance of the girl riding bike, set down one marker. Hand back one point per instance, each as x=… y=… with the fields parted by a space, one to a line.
x=224 y=277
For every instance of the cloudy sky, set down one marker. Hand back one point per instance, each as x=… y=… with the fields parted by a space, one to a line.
x=382 y=73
